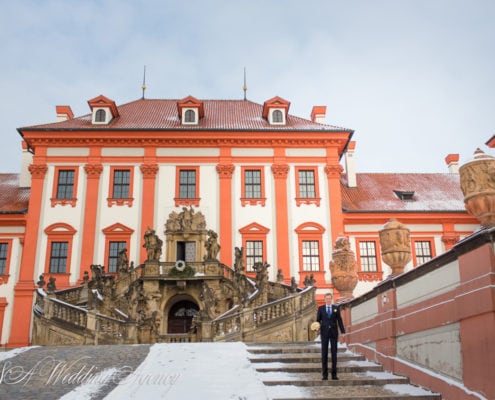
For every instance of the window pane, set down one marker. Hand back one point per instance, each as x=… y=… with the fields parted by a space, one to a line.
x=423 y=251
x=113 y=255
x=367 y=252
x=310 y=255
x=252 y=184
x=187 y=184
x=3 y=258
x=254 y=253
x=277 y=116
x=58 y=257
x=121 y=182
x=307 y=184
x=65 y=185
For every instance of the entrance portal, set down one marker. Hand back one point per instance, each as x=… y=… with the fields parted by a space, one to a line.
x=181 y=315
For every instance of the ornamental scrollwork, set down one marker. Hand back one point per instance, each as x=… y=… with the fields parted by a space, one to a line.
x=93 y=170
x=38 y=170
x=225 y=170
x=280 y=171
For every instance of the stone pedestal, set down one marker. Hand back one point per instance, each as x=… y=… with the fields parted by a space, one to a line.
x=395 y=243
x=343 y=268
x=478 y=186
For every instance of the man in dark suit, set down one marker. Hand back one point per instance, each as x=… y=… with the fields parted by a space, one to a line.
x=329 y=317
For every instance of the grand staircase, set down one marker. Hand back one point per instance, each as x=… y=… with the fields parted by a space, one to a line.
x=293 y=371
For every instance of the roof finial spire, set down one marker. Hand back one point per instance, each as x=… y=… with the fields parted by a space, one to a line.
x=143 y=86
x=244 y=87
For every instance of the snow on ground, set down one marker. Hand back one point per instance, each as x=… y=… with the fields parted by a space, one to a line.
x=193 y=370
x=12 y=353
x=408 y=390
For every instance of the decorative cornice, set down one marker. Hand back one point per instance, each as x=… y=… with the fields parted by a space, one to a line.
x=225 y=170
x=308 y=200
x=63 y=202
x=334 y=171
x=280 y=171
x=93 y=170
x=253 y=201
x=450 y=239
x=38 y=171
x=120 y=202
x=149 y=171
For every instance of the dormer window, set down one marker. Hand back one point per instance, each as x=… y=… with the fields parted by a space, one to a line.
x=190 y=116
x=275 y=111
x=277 y=117
x=103 y=110
x=406 y=195
x=100 y=115
x=190 y=110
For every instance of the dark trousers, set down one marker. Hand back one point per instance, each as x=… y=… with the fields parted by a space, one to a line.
x=331 y=337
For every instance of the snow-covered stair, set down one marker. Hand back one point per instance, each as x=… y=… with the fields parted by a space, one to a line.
x=293 y=371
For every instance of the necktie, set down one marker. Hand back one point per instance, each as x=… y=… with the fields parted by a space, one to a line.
x=328 y=311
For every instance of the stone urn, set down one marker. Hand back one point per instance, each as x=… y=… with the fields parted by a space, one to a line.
x=396 y=245
x=343 y=268
x=478 y=186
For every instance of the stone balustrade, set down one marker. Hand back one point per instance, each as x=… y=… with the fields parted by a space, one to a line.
x=68 y=313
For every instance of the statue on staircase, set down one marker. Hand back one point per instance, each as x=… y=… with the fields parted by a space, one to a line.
x=153 y=245
x=212 y=246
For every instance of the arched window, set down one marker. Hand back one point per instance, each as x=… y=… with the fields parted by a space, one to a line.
x=100 y=115
x=190 y=116
x=277 y=116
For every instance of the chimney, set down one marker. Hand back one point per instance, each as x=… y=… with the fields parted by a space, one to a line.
x=318 y=114
x=452 y=161
x=64 y=113
x=350 y=166
x=27 y=159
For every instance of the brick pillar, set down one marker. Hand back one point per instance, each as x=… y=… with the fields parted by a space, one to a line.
x=280 y=172
x=225 y=172
x=24 y=289
x=149 y=172
x=93 y=172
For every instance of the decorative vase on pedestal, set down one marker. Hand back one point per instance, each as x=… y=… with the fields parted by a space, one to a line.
x=343 y=268
x=395 y=243
x=478 y=186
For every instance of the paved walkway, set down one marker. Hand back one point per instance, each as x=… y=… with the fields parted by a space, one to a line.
x=48 y=373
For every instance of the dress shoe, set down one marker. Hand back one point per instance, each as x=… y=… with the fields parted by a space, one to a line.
x=334 y=378
x=325 y=378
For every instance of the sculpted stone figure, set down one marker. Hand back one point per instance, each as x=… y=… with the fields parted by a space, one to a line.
x=153 y=245
x=239 y=262
x=212 y=246
x=123 y=261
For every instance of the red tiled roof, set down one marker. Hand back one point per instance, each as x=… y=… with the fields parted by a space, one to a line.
x=375 y=192
x=13 y=199
x=163 y=114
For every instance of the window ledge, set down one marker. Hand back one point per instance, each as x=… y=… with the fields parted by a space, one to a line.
x=370 y=276
x=120 y=202
x=253 y=201
x=187 y=202
x=63 y=202
x=308 y=200
x=4 y=279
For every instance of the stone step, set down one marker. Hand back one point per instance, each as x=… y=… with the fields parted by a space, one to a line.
x=345 y=379
x=361 y=392
x=289 y=349
x=344 y=367
x=299 y=358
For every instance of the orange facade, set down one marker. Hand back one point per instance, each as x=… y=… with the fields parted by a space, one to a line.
x=266 y=180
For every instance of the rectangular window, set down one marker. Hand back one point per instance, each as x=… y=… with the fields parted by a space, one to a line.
x=254 y=253
x=187 y=184
x=58 y=257
x=310 y=255
x=121 y=183
x=113 y=255
x=307 y=184
x=3 y=258
x=367 y=255
x=65 y=184
x=252 y=184
x=423 y=251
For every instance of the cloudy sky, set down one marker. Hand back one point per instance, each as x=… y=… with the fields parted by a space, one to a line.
x=415 y=79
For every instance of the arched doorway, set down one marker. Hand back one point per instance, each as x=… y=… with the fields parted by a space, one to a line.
x=181 y=315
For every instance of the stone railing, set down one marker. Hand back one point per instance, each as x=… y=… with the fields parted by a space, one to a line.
x=66 y=312
x=71 y=295
x=435 y=323
x=177 y=338
x=114 y=327
x=272 y=311
x=227 y=328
